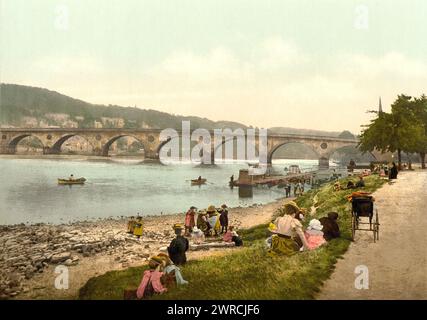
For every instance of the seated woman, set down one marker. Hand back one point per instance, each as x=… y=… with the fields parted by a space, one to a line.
x=360 y=183
x=288 y=232
x=350 y=185
x=337 y=186
x=314 y=234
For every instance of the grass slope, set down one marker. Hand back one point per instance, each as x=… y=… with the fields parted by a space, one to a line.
x=250 y=273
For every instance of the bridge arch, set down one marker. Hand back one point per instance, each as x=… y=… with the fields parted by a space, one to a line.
x=279 y=145
x=234 y=139
x=56 y=148
x=107 y=145
x=13 y=143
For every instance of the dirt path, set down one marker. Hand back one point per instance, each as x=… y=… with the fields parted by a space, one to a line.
x=397 y=264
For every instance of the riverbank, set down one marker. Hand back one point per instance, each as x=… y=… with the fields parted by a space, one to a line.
x=29 y=254
x=250 y=273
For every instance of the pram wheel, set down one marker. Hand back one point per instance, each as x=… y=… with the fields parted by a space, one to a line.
x=353 y=226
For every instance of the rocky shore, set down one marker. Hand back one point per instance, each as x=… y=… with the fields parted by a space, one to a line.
x=29 y=254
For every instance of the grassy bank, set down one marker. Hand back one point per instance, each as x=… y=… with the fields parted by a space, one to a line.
x=249 y=273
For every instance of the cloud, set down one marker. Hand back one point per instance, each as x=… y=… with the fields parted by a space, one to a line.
x=275 y=84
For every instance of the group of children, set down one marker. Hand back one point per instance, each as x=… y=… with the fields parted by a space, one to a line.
x=211 y=222
x=135 y=226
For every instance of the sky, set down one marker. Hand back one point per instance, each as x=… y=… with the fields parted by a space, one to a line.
x=318 y=64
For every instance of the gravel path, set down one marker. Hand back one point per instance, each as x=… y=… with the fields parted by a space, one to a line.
x=397 y=264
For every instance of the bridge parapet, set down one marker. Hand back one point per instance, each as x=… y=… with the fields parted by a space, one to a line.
x=101 y=140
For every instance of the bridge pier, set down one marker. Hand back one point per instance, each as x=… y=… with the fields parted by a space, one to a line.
x=49 y=150
x=151 y=156
x=323 y=163
x=6 y=150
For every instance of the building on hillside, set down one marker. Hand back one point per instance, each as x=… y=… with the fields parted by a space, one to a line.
x=145 y=125
x=70 y=124
x=30 y=122
x=57 y=117
x=97 y=124
x=113 y=122
x=43 y=124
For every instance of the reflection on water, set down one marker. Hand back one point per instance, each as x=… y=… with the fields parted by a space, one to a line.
x=29 y=192
x=246 y=192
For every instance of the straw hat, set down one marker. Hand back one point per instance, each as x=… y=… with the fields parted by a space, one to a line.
x=211 y=208
x=155 y=261
x=315 y=225
x=224 y=206
x=178 y=226
x=291 y=207
x=164 y=257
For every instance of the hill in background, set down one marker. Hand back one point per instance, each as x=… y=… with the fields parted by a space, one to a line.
x=24 y=106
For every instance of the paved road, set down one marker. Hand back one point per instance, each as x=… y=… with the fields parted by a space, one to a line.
x=397 y=264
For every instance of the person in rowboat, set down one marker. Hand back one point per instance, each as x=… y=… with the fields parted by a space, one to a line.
x=71 y=178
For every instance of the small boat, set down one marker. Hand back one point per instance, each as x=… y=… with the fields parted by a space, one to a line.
x=73 y=181
x=196 y=182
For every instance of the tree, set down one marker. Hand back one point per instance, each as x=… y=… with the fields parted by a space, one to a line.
x=409 y=133
x=420 y=109
x=346 y=135
x=401 y=130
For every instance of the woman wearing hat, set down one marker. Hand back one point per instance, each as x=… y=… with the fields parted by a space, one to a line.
x=213 y=219
x=202 y=222
x=288 y=231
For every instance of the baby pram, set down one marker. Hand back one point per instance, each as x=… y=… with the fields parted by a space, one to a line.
x=362 y=207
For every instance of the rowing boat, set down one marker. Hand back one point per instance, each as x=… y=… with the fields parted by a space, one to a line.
x=73 y=181
x=198 y=182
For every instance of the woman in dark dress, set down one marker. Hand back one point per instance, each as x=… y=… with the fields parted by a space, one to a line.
x=393 y=171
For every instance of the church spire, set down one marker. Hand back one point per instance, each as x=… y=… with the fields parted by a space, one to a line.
x=380 y=107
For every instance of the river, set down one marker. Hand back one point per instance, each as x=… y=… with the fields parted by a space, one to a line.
x=29 y=192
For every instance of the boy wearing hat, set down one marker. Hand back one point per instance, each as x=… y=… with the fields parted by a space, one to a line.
x=178 y=246
x=223 y=218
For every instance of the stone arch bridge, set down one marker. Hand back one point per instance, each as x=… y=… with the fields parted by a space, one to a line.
x=101 y=139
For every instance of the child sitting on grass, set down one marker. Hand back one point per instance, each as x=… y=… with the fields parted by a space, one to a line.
x=314 y=234
x=231 y=235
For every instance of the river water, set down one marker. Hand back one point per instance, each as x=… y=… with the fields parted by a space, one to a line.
x=29 y=192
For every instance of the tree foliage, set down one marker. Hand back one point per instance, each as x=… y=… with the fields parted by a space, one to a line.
x=404 y=129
